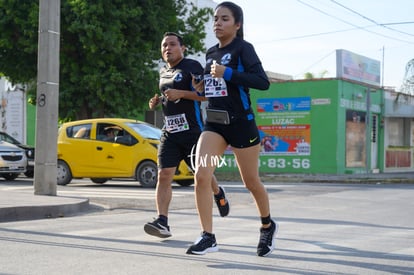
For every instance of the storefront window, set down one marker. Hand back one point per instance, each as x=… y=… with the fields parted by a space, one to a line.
x=398 y=132
x=395 y=136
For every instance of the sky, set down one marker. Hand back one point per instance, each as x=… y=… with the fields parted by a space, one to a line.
x=297 y=36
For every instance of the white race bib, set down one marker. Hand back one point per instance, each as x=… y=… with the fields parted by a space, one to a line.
x=214 y=87
x=176 y=123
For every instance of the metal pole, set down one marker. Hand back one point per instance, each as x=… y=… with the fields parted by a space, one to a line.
x=45 y=176
x=383 y=65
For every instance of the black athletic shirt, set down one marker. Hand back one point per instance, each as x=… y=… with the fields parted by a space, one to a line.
x=244 y=71
x=179 y=77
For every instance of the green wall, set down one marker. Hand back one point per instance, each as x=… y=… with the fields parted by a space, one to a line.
x=30 y=124
x=330 y=102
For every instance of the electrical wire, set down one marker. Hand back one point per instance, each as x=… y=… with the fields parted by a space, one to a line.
x=313 y=35
x=356 y=26
x=317 y=62
x=369 y=19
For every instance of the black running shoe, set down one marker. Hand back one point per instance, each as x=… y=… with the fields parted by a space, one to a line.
x=222 y=203
x=156 y=228
x=205 y=243
x=267 y=240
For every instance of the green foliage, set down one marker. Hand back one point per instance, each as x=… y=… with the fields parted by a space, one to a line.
x=308 y=75
x=109 y=50
x=18 y=39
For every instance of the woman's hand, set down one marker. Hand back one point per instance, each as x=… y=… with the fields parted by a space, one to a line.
x=217 y=70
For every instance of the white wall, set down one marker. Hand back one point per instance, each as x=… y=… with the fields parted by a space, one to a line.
x=210 y=39
x=13 y=110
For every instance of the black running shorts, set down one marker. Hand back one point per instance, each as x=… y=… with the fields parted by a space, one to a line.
x=240 y=133
x=177 y=147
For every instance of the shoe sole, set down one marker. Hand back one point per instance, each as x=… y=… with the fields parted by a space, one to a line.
x=273 y=246
x=154 y=231
x=210 y=249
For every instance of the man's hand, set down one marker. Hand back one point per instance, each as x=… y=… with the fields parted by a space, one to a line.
x=173 y=95
x=154 y=101
x=198 y=84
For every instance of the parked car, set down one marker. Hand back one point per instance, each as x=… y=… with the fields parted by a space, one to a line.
x=85 y=150
x=13 y=160
x=30 y=152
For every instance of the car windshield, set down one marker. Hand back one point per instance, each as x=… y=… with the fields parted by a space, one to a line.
x=6 y=137
x=145 y=130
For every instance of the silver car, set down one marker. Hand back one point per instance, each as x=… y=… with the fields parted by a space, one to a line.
x=13 y=160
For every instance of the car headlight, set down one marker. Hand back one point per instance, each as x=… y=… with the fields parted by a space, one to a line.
x=30 y=153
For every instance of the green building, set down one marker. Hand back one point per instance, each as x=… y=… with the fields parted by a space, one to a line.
x=322 y=126
x=30 y=124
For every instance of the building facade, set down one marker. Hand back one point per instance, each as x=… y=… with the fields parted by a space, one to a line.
x=398 y=123
x=331 y=126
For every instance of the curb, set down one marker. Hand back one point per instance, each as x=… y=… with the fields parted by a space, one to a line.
x=312 y=178
x=336 y=180
x=33 y=212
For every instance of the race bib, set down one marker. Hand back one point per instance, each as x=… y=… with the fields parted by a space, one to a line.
x=176 y=123
x=214 y=87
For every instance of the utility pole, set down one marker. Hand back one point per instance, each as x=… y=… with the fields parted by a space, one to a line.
x=47 y=98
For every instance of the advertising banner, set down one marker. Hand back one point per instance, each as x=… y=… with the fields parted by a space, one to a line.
x=284 y=125
x=357 y=67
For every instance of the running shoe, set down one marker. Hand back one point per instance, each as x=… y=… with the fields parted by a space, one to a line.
x=267 y=239
x=222 y=203
x=205 y=243
x=156 y=228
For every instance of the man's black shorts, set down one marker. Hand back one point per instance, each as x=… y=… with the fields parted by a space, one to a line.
x=177 y=147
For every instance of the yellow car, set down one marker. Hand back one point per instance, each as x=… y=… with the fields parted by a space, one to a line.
x=105 y=148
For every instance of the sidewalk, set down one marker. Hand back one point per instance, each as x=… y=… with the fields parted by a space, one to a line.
x=351 y=178
x=23 y=205
x=16 y=206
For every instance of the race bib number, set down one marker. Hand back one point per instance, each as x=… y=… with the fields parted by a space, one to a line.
x=214 y=87
x=176 y=123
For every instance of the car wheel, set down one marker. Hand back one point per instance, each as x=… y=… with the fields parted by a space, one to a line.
x=99 y=180
x=64 y=175
x=10 y=176
x=29 y=174
x=185 y=182
x=147 y=174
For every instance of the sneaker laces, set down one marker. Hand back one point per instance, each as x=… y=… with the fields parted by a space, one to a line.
x=202 y=239
x=266 y=234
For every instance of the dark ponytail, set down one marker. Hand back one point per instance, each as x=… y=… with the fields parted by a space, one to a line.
x=237 y=14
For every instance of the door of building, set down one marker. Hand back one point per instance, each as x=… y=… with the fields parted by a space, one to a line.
x=374 y=142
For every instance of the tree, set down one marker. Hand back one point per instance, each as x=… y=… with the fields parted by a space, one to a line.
x=309 y=75
x=109 y=50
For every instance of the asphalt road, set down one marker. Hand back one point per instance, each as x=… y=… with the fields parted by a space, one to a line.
x=128 y=194
x=325 y=228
